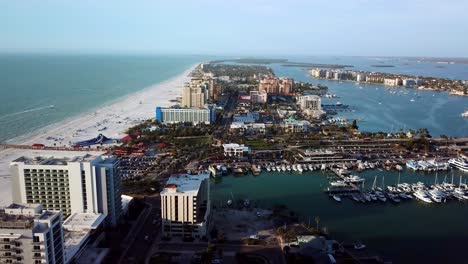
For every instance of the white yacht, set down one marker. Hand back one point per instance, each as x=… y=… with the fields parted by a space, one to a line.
x=459 y=163
x=288 y=168
x=422 y=195
x=354 y=179
x=338 y=183
x=465 y=114
x=299 y=168
x=436 y=196
x=294 y=167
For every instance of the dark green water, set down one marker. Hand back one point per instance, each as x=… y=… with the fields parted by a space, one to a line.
x=410 y=232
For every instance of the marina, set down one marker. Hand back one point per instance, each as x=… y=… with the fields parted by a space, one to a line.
x=352 y=219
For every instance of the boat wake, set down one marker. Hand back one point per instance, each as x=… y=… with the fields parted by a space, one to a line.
x=27 y=111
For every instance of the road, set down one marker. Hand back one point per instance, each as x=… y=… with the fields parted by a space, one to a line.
x=272 y=253
x=151 y=228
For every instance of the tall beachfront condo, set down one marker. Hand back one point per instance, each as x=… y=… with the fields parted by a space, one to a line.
x=77 y=183
x=185 y=205
x=195 y=93
x=181 y=115
x=29 y=234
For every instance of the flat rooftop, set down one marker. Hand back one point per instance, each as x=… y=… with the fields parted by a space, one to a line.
x=80 y=221
x=53 y=157
x=185 y=183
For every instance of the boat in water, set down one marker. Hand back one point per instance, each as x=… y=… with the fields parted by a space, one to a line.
x=359 y=246
x=459 y=163
x=224 y=171
x=256 y=170
x=338 y=183
x=336 y=198
x=422 y=195
x=465 y=114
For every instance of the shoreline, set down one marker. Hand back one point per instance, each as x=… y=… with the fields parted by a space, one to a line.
x=116 y=115
x=142 y=95
x=394 y=86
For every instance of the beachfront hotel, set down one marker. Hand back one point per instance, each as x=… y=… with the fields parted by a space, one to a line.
x=195 y=93
x=180 y=115
x=73 y=183
x=185 y=205
x=29 y=234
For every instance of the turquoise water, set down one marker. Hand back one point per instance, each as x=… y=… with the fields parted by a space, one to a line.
x=410 y=232
x=74 y=84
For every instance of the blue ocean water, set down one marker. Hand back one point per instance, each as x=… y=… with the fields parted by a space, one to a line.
x=73 y=84
x=379 y=109
x=30 y=84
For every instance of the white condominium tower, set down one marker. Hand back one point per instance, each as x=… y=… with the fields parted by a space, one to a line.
x=185 y=205
x=77 y=183
x=30 y=235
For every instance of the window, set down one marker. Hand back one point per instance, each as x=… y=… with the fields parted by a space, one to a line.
x=35 y=239
x=6 y=240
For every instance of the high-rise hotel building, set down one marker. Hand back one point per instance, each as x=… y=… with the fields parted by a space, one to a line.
x=79 y=183
x=185 y=205
x=30 y=235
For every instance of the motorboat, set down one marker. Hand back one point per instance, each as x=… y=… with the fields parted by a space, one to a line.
x=465 y=114
x=353 y=179
x=459 y=163
x=299 y=168
x=422 y=195
x=336 y=198
x=338 y=183
x=359 y=246
x=381 y=197
x=436 y=196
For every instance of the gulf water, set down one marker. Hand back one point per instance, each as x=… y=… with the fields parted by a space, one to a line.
x=31 y=84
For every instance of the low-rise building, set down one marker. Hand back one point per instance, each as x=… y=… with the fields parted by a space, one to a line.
x=180 y=115
x=258 y=97
x=291 y=125
x=185 y=205
x=248 y=128
x=235 y=150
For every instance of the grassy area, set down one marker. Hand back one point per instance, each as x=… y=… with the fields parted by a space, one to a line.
x=257 y=144
x=191 y=141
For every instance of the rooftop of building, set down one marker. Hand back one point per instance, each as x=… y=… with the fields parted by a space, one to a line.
x=83 y=221
x=188 y=184
x=23 y=216
x=50 y=157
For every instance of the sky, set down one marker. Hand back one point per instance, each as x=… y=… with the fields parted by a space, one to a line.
x=433 y=28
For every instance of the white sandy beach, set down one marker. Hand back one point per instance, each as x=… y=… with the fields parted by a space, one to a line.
x=111 y=120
